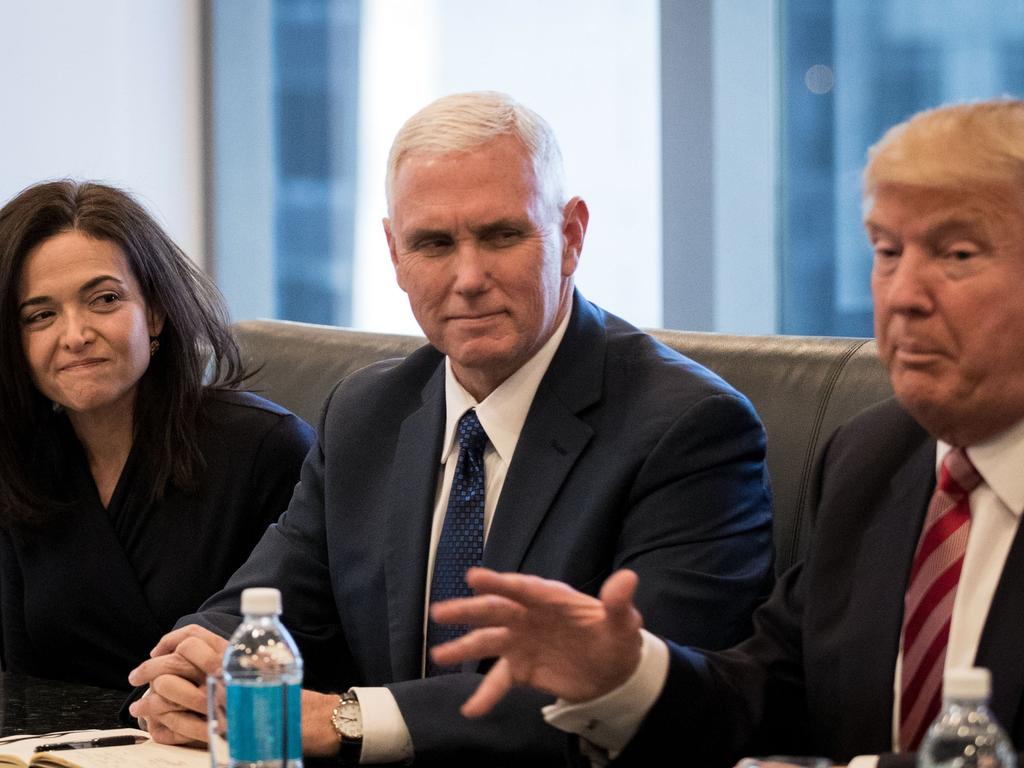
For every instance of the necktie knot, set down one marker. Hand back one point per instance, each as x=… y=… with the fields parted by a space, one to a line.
x=958 y=477
x=472 y=437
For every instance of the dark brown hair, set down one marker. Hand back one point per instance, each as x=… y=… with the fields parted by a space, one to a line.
x=196 y=351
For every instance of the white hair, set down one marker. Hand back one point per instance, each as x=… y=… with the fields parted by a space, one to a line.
x=463 y=121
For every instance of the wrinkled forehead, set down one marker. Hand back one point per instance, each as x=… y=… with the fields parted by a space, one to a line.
x=503 y=159
x=486 y=175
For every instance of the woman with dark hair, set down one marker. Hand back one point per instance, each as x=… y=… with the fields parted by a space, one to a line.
x=134 y=476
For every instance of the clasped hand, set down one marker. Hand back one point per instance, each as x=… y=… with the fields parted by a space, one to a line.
x=174 y=709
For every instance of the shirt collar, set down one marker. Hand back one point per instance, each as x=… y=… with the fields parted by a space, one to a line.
x=503 y=412
x=999 y=461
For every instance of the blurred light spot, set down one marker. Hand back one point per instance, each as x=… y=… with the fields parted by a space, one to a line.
x=819 y=79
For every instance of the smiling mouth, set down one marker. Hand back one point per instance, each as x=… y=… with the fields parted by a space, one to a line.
x=916 y=355
x=80 y=364
x=476 y=317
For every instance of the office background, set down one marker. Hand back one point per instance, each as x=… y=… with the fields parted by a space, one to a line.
x=718 y=142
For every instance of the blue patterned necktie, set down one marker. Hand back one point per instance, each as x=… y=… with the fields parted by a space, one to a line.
x=462 y=538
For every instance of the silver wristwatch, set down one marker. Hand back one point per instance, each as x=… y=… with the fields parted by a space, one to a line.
x=347 y=719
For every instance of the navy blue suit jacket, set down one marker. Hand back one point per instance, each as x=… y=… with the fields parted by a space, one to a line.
x=631 y=456
x=817 y=676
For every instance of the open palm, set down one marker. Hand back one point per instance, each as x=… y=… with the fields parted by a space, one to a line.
x=544 y=634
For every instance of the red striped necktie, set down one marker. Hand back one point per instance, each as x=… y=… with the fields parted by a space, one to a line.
x=928 y=604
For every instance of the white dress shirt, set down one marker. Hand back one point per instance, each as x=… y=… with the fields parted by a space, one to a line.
x=502 y=414
x=609 y=722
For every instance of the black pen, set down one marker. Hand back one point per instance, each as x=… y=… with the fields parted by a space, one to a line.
x=102 y=741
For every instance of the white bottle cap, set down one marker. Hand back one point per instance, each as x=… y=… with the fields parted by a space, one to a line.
x=967 y=683
x=263 y=601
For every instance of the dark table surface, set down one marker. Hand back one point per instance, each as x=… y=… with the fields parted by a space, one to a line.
x=34 y=705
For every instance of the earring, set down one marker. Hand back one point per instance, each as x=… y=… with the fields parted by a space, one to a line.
x=154 y=345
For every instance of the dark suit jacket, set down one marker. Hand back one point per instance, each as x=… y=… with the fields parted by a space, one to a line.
x=817 y=676
x=631 y=456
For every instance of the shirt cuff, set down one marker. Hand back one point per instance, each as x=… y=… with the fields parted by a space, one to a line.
x=863 y=761
x=611 y=720
x=386 y=737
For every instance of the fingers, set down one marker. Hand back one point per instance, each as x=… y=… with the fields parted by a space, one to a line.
x=617 y=594
x=202 y=654
x=169 y=694
x=483 y=610
x=478 y=644
x=520 y=587
x=496 y=683
x=175 y=693
x=178 y=728
x=619 y=589
x=172 y=639
x=174 y=712
x=172 y=664
x=197 y=652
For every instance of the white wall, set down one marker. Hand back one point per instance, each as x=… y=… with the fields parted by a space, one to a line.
x=110 y=90
x=590 y=67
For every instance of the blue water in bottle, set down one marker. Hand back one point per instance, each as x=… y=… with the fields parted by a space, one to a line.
x=263 y=685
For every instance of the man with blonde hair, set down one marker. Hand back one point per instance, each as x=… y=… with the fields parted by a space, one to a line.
x=917 y=558
x=535 y=433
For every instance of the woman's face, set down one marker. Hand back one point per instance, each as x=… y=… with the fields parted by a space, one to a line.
x=85 y=326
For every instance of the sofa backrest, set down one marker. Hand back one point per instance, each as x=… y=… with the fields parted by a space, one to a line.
x=803 y=388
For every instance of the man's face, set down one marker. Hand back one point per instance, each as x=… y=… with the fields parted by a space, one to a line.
x=487 y=262
x=948 y=287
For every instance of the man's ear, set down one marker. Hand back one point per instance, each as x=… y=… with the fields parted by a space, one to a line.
x=575 y=217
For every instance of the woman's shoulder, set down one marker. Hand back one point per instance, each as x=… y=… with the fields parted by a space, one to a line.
x=240 y=402
x=233 y=411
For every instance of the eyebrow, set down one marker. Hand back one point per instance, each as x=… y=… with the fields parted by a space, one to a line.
x=953 y=227
x=86 y=286
x=424 y=233
x=956 y=227
x=508 y=223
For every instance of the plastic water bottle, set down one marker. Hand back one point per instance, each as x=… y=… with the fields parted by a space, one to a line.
x=263 y=687
x=966 y=734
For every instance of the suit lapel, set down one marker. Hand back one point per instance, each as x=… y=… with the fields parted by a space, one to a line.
x=552 y=439
x=877 y=602
x=999 y=646
x=410 y=509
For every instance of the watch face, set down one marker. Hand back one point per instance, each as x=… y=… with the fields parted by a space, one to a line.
x=350 y=720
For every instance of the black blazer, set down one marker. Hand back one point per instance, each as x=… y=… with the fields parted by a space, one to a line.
x=817 y=676
x=86 y=594
x=631 y=455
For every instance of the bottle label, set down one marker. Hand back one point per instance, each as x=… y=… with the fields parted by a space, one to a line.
x=264 y=721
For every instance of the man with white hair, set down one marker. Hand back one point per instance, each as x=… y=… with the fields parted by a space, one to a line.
x=917 y=558
x=536 y=433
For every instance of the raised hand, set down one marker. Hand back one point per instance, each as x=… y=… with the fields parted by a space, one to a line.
x=545 y=634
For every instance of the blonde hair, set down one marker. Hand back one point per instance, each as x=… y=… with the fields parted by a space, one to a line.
x=463 y=121
x=951 y=146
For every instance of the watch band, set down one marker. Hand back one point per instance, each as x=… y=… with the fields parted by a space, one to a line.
x=348 y=724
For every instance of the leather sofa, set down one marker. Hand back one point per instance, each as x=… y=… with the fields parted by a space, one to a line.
x=803 y=388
